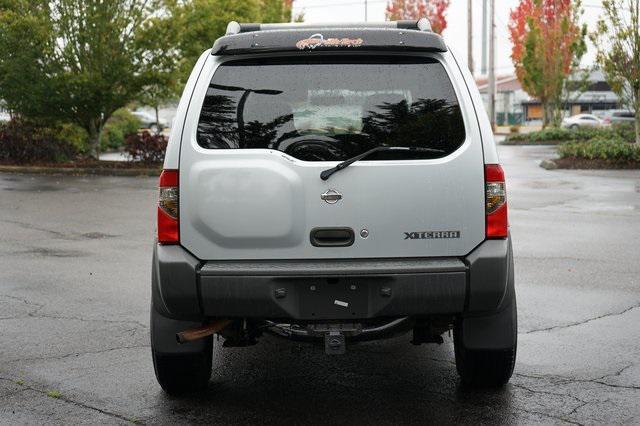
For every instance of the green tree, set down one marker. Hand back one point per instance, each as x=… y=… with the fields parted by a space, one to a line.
x=198 y=23
x=617 y=39
x=77 y=61
x=547 y=45
x=159 y=40
x=276 y=11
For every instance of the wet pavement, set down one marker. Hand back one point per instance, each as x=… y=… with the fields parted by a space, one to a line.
x=75 y=258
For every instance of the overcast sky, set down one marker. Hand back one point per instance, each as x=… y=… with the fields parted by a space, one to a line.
x=456 y=32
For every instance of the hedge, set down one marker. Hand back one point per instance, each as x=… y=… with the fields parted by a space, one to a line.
x=558 y=135
x=145 y=147
x=24 y=141
x=614 y=150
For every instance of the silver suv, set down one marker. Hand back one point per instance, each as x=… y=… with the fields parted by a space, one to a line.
x=333 y=184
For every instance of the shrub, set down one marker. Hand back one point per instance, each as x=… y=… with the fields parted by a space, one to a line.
x=76 y=136
x=23 y=141
x=120 y=125
x=613 y=150
x=554 y=134
x=585 y=134
x=625 y=130
x=549 y=134
x=146 y=147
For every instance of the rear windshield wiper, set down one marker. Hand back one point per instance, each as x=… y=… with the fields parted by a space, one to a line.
x=326 y=174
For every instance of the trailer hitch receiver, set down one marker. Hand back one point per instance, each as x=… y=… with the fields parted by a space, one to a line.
x=334 y=343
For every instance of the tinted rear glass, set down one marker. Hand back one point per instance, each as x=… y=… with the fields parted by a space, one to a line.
x=327 y=108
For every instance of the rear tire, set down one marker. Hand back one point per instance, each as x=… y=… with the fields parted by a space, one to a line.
x=574 y=127
x=184 y=373
x=482 y=368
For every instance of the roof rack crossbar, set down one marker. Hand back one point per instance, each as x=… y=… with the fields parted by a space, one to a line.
x=421 y=24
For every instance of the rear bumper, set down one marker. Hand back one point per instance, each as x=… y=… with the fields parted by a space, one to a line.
x=333 y=290
x=186 y=288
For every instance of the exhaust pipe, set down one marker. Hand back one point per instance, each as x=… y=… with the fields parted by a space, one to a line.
x=201 y=332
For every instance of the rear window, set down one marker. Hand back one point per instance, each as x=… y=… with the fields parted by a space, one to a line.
x=331 y=109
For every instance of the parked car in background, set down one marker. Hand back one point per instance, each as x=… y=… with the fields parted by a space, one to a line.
x=581 y=121
x=148 y=121
x=619 y=116
x=4 y=113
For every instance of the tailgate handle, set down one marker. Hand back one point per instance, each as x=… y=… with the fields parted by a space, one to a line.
x=332 y=237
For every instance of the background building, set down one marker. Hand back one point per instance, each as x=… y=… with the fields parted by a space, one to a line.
x=515 y=106
x=509 y=98
x=595 y=98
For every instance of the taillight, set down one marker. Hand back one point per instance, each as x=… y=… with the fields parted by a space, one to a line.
x=168 y=219
x=497 y=224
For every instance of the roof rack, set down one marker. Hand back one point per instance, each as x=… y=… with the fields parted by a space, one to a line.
x=421 y=24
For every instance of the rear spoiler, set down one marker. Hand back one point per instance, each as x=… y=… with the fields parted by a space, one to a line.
x=406 y=36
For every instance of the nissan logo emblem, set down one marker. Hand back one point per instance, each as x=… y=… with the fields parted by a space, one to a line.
x=331 y=196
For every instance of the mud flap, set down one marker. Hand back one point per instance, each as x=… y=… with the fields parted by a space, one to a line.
x=493 y=331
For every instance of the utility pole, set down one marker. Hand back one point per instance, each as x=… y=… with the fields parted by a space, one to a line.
x=470 y=35
x=483 y=69
x=492 y=65
x=365 y=10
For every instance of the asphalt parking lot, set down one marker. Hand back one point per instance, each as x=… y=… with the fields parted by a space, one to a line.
x=75 y=258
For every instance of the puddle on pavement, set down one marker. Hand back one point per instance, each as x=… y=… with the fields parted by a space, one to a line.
x=41 y=251
x=96 y=235
x=34 y=188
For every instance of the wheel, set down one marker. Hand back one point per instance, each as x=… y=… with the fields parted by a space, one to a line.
x=184 y=373
x=484 y=368
x=574 y=127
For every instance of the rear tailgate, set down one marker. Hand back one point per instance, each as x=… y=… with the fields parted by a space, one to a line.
x=261 y=196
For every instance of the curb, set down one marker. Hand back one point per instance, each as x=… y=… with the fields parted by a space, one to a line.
x=73 y=171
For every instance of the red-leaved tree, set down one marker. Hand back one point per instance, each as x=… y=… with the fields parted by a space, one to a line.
x=548 y=43
x=434 y=10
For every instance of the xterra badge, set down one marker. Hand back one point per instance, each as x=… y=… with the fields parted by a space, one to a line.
x=431 y=235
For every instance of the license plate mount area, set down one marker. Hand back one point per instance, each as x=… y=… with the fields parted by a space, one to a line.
x=334 y=298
